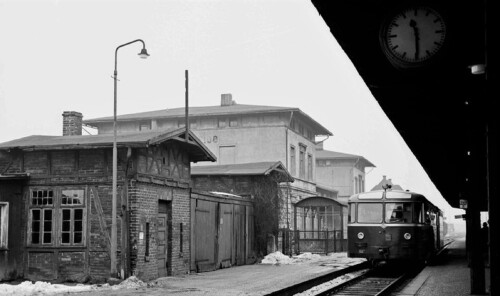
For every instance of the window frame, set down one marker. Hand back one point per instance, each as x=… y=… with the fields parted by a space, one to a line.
x=42 y=230
x=382 y=209
x=72 y=223
x=293 y=160
x=302 y=161
x=4 y=225
x=57 y=208
x=398 y=220
x=310 y=168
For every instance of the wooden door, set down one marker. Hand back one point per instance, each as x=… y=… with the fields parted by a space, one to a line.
x=239 y=235
x=225 y=235
x=250 y=235
x=162 y=239
x=206 y=235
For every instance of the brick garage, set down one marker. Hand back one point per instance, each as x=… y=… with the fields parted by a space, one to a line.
x=60 y=187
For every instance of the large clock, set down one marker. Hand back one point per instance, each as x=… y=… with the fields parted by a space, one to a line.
x=413 y=37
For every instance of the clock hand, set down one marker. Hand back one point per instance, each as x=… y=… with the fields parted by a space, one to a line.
x=413 y=24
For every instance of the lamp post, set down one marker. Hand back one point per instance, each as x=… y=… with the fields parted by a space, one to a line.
x=143 y=54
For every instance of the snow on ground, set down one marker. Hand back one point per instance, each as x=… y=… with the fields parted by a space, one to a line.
x=332 y=259
x=43 y=288
x=40 y=288
x=331 y=284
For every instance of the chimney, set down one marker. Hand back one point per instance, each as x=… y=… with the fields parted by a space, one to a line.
x=72 y=123
x=226 y=99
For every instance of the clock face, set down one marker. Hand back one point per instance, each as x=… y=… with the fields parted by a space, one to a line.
x=414 y=35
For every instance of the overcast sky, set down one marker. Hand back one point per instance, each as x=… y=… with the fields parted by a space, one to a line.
x=58 y=56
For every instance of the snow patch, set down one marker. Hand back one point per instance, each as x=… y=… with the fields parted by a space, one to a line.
x=40 y=288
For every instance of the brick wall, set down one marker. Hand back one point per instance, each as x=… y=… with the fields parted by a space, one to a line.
x=72 y=123
x=143 y=198
x=71 y=266
x=181 y=214
x=91 y=170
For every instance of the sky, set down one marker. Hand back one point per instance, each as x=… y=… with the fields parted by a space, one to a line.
x=58 y=56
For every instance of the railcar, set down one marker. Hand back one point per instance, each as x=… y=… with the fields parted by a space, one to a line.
x=392 y=225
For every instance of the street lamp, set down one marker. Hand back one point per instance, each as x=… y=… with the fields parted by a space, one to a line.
x=143 y=54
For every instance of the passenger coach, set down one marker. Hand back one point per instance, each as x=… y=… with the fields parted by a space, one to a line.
x=393 y=225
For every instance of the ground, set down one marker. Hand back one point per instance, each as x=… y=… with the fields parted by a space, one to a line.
x=276 y=271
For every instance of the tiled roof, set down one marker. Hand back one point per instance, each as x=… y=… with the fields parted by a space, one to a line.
x=235 y=109
x=194 y=111
x=136 y=139
x=327 y=154
x=254 y=168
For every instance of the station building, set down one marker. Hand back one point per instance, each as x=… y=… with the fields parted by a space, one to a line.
x=55 y=197
x=239 y=134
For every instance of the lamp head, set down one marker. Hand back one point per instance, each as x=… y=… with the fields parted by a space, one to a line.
x=144 y=54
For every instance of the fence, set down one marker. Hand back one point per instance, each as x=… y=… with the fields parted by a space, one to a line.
x=320 y=241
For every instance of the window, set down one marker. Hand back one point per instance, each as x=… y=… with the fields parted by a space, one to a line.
x=233 y=122
x=41 y=217
x=418 y=213
x=57 y=217
x=398 y=212
x=71 y=226
x=369 y=213
x=4 y=224
x=41 y=226
x=292 y=161
x=42 y=197
x=145 y=125
x=221 y=122
x=302 y=161
x=72 y=197
x=356 y=185
x=352 y=213
x=309 y=166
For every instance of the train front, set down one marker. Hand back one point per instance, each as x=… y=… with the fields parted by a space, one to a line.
x=390 y=226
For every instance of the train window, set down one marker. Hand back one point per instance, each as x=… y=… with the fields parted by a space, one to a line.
x=397 y=195
x=398 y=212
x=352 y=213
x=371 y=195
x=369 y=212
x=418 y=213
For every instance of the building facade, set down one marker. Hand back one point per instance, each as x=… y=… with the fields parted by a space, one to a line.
x=56 y=204
x=341 y=171
x=238 y=134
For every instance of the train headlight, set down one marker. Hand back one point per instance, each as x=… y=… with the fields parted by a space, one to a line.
x=407 y=236
x=361 y=235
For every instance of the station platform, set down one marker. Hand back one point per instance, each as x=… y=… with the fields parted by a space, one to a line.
x=250 y=280
x=449 y=277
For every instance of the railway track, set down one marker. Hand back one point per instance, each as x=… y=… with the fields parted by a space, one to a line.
x=376 y=282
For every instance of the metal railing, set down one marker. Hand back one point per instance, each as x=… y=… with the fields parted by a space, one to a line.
x=319 y=241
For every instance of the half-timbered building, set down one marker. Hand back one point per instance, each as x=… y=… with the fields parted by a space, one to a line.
x=56 y=205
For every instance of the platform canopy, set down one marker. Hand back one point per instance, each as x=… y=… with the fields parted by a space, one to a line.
x=438 y=106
